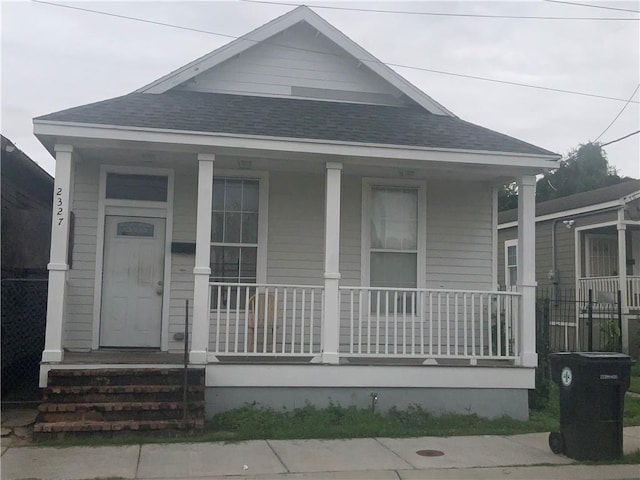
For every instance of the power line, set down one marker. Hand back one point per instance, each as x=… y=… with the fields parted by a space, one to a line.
x=364 y=61
x=439 y=14
x=593 y=6
x=619 y=113
x=621 y=138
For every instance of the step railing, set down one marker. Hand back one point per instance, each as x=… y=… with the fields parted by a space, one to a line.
x=265 y=319
x=387 y=322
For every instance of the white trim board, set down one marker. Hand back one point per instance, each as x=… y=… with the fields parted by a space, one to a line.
x=569 y=213
x=386 y=152
x=354 y=376
x=133 y=207
x=263 y=33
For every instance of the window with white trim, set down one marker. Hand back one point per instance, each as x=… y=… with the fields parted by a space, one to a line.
x=234 y=231
x=602 y=255
x=511 y=263
x=393 y=238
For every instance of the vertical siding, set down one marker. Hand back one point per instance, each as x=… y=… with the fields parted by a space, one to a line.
x=459 y=235
x=80 y=288
x=299 y=63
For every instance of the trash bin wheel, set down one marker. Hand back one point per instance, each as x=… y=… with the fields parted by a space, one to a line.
x=556 y=442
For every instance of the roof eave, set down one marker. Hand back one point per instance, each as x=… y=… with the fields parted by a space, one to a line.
x=536 y=163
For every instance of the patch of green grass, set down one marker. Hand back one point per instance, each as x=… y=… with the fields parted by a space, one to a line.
x=635 y=378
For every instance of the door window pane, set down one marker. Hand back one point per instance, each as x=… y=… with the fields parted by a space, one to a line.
x=394 y=218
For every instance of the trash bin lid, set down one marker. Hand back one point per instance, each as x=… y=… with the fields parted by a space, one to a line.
x=601 y=357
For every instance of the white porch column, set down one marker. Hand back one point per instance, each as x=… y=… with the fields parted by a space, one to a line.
x=527 y=269
x=331 y=323
x=202 y=270
x=58 y=261
x=622 y=275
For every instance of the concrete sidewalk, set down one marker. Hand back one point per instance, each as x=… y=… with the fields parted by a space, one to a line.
x=477 y=457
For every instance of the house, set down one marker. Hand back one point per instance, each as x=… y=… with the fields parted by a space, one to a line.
x=332 y=226
x=587 y=241
x=27 y=192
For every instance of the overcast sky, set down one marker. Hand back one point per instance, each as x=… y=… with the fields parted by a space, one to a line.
x=55 y=58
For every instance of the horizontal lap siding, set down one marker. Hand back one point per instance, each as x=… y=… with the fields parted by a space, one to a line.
x=272 y=68
x=80 y=288
x=459 y=236
x=184 y=230
x=296 y=229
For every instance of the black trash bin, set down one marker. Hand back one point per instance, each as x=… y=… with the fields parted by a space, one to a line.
x=592 y=387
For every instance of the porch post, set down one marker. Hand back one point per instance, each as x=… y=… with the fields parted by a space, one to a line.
x=331 y=321
x=202 y=269
x=527 y=269
x=58 y=260
x=622 y=276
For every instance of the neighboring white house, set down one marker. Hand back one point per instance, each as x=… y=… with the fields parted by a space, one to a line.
x=289 y=180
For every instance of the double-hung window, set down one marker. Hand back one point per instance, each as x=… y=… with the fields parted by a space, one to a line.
x=511 y=263
x=234 y=234
x=393 y=237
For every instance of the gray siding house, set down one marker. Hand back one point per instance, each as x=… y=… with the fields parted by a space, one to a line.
x=333 y=227
x=587 y=241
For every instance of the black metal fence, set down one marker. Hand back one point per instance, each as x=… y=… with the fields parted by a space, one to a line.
x=24 y=312
x=576 y=322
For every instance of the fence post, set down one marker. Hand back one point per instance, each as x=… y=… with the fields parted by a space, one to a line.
x=590 y=321
x=619 y=300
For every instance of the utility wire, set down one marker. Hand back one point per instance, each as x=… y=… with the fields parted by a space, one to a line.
x=438 y=14
x=364 y=61
x=592 y=6
x=621 y=138
x=619 y=113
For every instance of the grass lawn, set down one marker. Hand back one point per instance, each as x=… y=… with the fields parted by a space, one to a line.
x=635 y=378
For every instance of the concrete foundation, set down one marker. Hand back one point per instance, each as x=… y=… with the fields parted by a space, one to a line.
x=485 y=402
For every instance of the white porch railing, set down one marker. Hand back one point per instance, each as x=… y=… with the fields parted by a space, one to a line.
x=385 y=322
x=605 y=289
x=265 y=320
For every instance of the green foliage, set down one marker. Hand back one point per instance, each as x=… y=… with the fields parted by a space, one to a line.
x=610 y=333
x=585 y=168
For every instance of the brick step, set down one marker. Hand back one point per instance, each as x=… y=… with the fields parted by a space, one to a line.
x=125 y=376
x=52 y=430
x=121 y=393
x=117 y=411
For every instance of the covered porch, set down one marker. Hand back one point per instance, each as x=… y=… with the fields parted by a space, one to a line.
x=315 y=291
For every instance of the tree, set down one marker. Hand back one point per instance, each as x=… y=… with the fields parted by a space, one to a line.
x=584 y=168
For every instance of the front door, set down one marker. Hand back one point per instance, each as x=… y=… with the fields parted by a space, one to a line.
x=132 y=282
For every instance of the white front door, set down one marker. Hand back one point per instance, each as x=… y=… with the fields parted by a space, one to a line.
x=132 y=283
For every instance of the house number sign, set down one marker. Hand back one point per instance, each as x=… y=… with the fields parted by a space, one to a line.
x=59 y=207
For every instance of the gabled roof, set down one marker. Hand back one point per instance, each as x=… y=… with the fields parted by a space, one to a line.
x=263 y=33
x=292 y=118
x=578 y=200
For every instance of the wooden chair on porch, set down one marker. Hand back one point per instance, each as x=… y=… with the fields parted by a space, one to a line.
x=262 y=310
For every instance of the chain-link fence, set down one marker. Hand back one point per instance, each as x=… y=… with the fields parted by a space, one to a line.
x=24 y=313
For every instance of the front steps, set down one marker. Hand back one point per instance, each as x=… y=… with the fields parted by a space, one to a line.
x=113 y=401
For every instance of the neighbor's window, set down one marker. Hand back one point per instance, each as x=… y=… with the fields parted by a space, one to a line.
x=602 y=253
x=137 y=187
x=234 y=233
x=511 y=263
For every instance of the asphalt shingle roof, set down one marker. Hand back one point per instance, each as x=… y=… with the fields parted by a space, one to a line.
x=577 y=200
x=293 y=118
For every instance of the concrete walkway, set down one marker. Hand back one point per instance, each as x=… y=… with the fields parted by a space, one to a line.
x=476 y=457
